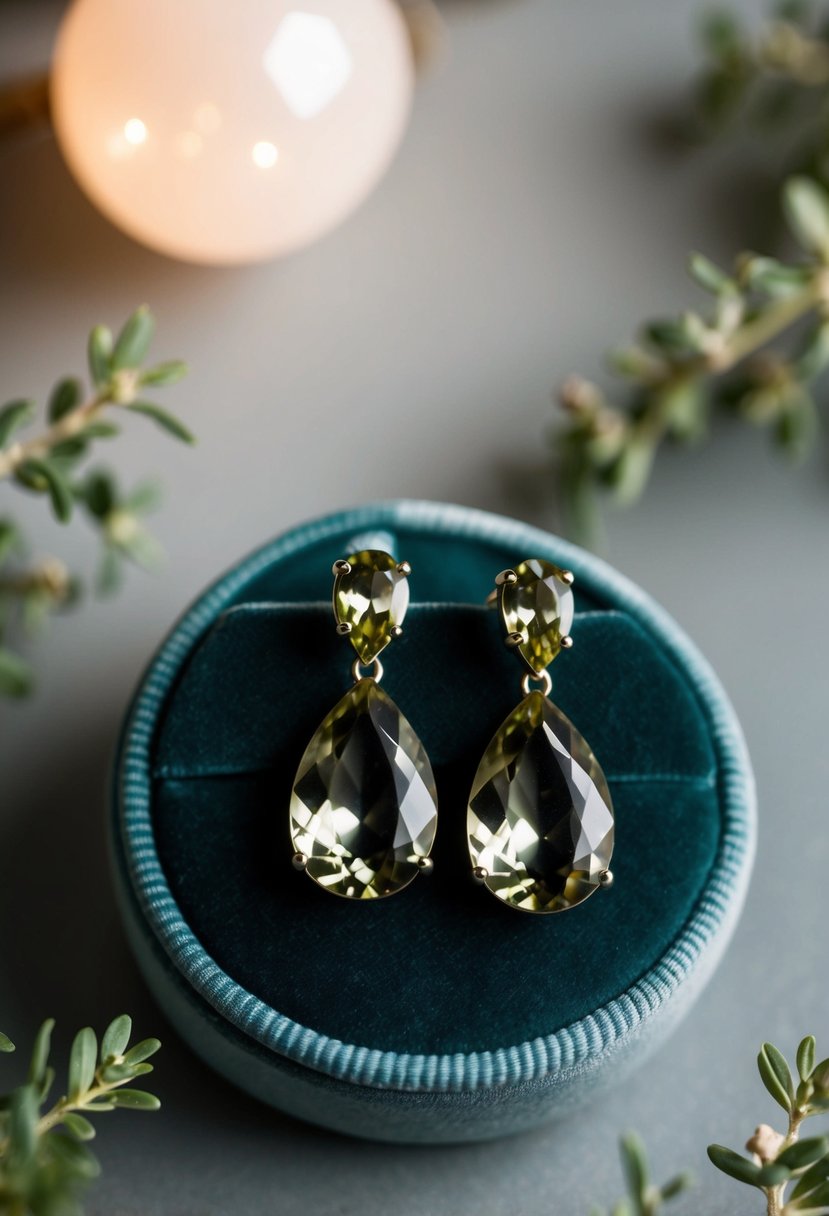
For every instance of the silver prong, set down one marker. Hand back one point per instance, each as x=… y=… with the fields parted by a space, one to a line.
x=568 y=577
x=606 y=878
x=344 y=629
x=506 y=576
x=425 y=864
x=479 y=874
x=514 y=639
x=341 y=566
x=404 y=568
x=299 y=861
x=396 y=631
x=566 y=642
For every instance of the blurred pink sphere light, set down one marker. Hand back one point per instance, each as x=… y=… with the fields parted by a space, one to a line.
x=228 y=133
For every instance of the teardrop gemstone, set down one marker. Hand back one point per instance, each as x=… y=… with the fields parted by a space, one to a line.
x=539 y=607
x=540 y=818
x=364 y=803
x=371 y=597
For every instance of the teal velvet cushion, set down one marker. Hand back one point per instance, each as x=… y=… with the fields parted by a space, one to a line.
x=440 y=988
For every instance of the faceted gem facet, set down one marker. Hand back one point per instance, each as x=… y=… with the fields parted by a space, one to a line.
x=364 y=803
x=539 y=607
x=372 y=597
x=540 y=818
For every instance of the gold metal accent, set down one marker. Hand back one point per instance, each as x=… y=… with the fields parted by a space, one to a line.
x=506 y=576
x=396 y=631
x=568 y=577
x=566 y=643
x=425 y=864
x=343 y=629
x=542 y=677
x=375 y=674
x=299 y=861
x=404 y=568
x=514 y=639
x=341 y=567
x=480 y=875
x=606 y=878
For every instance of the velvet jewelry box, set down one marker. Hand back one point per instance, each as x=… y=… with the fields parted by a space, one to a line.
x=439 y=1014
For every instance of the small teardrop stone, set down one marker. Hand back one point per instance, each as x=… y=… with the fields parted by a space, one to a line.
x=372 y=598
x=538 y=606
x=540 y=818
x=364 y=803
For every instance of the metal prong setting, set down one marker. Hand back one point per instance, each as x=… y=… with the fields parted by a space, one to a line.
x=344 y=629
x=404 y=568
x=606 y=878
x=506 y=576
x=568 y=577
x=479 y=874
x=341 y=567
x=299 y=861
x=425 y=864
x=513 y=639
x=566 y=642
x=396 y=631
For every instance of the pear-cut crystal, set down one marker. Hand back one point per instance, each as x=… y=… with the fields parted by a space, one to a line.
x=540 y=818
x=371 y=597
x=539 y=607
x=364 y=803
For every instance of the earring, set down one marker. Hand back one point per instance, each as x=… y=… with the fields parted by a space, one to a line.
x=364 y=803
x=540 y=817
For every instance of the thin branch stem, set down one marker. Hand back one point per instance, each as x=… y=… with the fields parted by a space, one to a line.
x=68 y=427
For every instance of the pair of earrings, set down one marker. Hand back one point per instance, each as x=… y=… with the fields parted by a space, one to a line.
x=364 y=803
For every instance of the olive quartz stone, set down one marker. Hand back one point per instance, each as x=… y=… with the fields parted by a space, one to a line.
x=371 y=597
x=540 y=817
x=538 y=606
x=364 y=803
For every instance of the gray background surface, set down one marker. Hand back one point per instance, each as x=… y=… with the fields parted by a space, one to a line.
x=530 y=219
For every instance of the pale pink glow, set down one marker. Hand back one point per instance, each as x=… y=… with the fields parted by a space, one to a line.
x=222 y=134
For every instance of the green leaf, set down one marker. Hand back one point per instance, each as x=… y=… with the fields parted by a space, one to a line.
x=13 y=416
x=635 y=1167
x=776 y=1077
x=628 y=475
x=813 y=1199
x=816 y=1176
x=116 y=1037
x=47 y=1081
x=806 y=205
x=69 y=449
x=81 y=1128
x=99 y=353
x=133 y=341
x=167 y=421
x=40 y=1053
x=806 y=1057
x=135 y=1099
x=670 y=337
x=59 y=490
x=165 y=373
x=813 y=357
x=145 y=497
x=797 y=425
x=22 y=1127
x=98 y=492
x=682 y=1182
x=100 y=430
x=142 y=1051
x=709 y=275
x=110 y=571
x=116 y=1072
x=82 y=1059
x=16 y=677
x=10 y=539
x=73 y=1156
x=803 y=1152
x=5 y=1042
x=734 y=1165
x=720 y=33
x=64 y=397
x=773 y=277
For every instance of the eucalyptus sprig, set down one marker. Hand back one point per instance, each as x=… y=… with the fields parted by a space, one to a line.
x=777 y=77
x=44 y=1160
x=725 y=357
x=781 y=1159
x=48 y=463
x=644 y=1197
